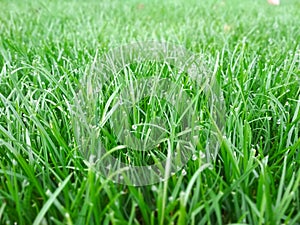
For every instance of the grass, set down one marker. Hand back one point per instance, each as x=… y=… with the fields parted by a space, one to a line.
x=48 y=49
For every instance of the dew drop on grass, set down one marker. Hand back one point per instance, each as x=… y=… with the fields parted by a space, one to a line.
x=194 y=157
x=202 y=155
x=134 y=127
x=153 y=188
x=14 y=162
x=161 y=179
x=182 y=194
x=183 y=172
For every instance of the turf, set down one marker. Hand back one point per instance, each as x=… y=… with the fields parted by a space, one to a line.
x=48 y=49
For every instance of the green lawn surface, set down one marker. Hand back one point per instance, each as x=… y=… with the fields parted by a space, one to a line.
x=49 y=48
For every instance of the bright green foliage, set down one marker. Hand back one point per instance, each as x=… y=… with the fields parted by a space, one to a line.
x=46 y=47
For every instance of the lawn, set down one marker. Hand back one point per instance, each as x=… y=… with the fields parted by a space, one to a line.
x=232 y=112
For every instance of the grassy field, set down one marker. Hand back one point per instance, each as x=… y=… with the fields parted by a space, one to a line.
x=48 y=49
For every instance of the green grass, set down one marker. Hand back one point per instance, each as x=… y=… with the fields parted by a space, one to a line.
x=48 y=48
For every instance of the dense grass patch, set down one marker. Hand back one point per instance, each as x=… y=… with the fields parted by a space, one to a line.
x=48 y=47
